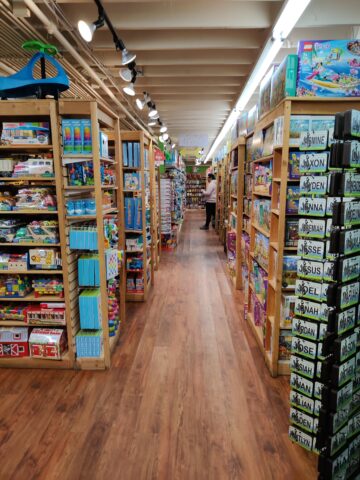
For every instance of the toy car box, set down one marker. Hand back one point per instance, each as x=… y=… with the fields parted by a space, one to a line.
x=47 y=343
x=14 y=342
x=329 y=68
x=25 y=133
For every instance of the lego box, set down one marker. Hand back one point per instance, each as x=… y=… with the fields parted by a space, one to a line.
x=14 y=342
x=283 y=80
x=329 y=68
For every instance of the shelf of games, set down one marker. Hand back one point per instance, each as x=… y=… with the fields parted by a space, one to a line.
x=137 y=171
x=195 y=183
x=281 y=139
x=235 y=222
x=40 y=312
x=222 y=198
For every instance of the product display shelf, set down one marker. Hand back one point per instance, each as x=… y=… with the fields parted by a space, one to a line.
x=235 y=222
x=37 y=111
x=223 y=198
x=278 y=197
x=100 y=120
x=157 y=223
x=138 y=284
x=195 y=183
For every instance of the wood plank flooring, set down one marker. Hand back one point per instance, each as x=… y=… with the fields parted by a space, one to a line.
x=188 y=396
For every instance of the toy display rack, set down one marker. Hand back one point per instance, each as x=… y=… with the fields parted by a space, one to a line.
x=236 y=208
x=102 y=119
x=146 y=143
x=222 y=198
x=157 y=219
x=269 y=342
x=39 y=110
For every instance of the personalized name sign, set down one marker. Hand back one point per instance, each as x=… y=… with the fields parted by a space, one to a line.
x=345 y=321
x=349 y=241
x=352 y=123
x=351 y=154
x=346 y=347
x=313 y=162
x=318 y=388
x=301 y=438
x=313 y=310
x=311 y=290
x=309 y=330
x=310 y=270
x=349 y=269
x=304 y=347
x=330 y=202
x=301 y=419
x=343 y=373
x=312 y=249
x=338 y=440
x=314 y=184
x=316 y=140
x=312 y=228
x=351 y=184
x=301 y=401
x=347 y=214
x=302 y=366
x=312 y=207
x=301 y=384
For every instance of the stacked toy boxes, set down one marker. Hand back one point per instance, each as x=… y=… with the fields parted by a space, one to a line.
x=338 y=437
x=133 y=213
x=131 y=154
x=325 y=400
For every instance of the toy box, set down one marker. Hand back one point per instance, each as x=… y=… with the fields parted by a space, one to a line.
x=132 y=181
x=329 y=68
x=292 y=199
x=268 y=146
x=89 y=343
x=48 y=286
x=242 y=124
x=287 y=310
x=262 y=209
x=80 y=173
x=294 y=172
x=285 y=338
x=263 y=177
x=90 y=309
x=291 y=232
x=34 y=166
x=7 y=166
x=257 y=145
x=14 y=286
x=104 y=145
x=289 y=270
x=283 y=80
x=261 y=250
x=14 y=342
x=35 y=199
x=25 y=133
x=44 y=258
x=76 y=136
x=46 y=313
x=49 y=343
x=265 y=93
x=252 y=119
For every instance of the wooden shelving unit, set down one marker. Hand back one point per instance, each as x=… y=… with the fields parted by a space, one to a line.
x=148 y=201
x=45 y=111
x=268 y=335
x=101 y=120
x=157 y=220
x=235 y=220
x=222 y=198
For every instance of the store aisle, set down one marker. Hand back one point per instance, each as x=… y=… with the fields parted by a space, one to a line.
x=188 y=397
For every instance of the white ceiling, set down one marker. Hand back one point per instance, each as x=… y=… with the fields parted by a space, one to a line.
x=196 y=55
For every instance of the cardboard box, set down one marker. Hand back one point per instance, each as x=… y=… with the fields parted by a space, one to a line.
x=283 y=80
x=47 y=343
x=329 y=68
x=25 y=133
x=14 y=342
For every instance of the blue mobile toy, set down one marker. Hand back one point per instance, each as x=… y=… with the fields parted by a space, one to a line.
x=23 y=83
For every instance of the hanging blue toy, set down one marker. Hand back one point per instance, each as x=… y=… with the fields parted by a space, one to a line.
x=23 y=83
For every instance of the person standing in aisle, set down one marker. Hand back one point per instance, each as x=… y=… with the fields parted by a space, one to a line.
x=210 y=201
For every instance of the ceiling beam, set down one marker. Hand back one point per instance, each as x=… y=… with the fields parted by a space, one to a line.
x=181 y=15
x=183 y=57
x=208 y=70
x=214 y=39
x=183 y=82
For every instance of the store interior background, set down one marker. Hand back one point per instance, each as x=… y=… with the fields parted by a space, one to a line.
x=192 y=57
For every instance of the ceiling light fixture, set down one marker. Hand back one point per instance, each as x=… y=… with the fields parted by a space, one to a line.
x=286 y=21
x=129 y=89
x=152 y=123
x=141 y=103
x=165 y=136
x=153 y=113
x=163 y=129
x=173 y=146
x=126 y=73
x=161 y=138
x=87 y=30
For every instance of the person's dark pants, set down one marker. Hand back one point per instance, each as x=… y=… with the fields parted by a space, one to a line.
x=210 y=212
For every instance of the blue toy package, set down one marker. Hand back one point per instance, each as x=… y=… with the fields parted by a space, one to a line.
x=138 y=224
x=136 y=158
x=329 y=68
x=129 y=213
x=125 y=157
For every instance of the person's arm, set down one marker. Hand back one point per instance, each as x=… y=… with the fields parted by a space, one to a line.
x=209 y=190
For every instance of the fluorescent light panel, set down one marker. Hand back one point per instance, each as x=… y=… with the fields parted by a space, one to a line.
x=288 y=18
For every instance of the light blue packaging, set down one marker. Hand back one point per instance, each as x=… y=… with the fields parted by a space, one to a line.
x=86 y=136
x=67 y=135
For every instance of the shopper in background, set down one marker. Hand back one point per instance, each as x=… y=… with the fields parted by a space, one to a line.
x=210 y=199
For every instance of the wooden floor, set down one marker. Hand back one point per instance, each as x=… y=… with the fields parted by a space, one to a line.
x=188 y=396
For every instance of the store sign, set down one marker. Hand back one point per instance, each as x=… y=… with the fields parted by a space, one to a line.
x=159 y=157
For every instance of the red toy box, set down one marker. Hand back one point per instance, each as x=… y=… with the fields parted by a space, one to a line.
x=14 y=342
x=47 y=343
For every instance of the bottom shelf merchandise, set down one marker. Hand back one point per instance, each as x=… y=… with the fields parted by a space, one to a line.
x=231 y=253
x=39 y=343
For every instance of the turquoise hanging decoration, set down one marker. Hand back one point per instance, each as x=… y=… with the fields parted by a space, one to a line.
x=23 y=84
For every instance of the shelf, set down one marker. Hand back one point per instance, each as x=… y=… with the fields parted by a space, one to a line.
x=31 y=298
x=261 y=230
x=262 y=194
x=132 y=191
x=272 y=284
x=132 y=169
x=109 y=187
x=284 y=367
x=80 y=187
x=234 y=196
x=274 y=245
x=257 y=295
x=91 y=217
x=258 y=331
x=268 y=158
x=29 y=362
x=135 y=297
x=29 y=244
x=28 y=212
x=133 y=231
x=271 y=319
x=289 y=180
x=27 y=179
x=19 y=323
x=26 y=147
x=91 y=363
x=86 y=156
x=275 y=211
x=257 y=261
x=31 y=272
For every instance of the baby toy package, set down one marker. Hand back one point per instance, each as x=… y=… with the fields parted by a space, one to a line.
x=329 y=68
